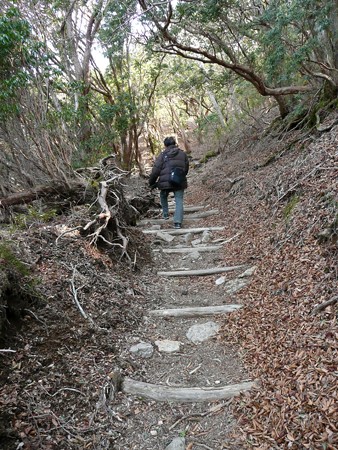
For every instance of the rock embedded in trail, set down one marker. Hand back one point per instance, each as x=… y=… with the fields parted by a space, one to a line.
x=188 y=238
x=233 y=286
x=165 y=236
x=192 y=255
x=196 y=242
x=206 y=237
x=202 y=332
x=177 y=444
x=143 y=350
x=248 y=273
x=220 y=280
x=167 y=346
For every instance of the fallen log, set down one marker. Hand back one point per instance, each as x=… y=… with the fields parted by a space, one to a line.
x=78 y=190
x=198 y=272
x=201 y=311
x=162 y=393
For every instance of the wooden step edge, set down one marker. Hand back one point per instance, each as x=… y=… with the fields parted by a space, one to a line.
x=207 y=248
x=161 y=221
x=162 y=393
x=187 y=218
x=198 y=272
x=186 y=209
x=190 y=209
x=198 y=311
x=184 y=230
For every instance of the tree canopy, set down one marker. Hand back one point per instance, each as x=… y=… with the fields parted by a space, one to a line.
x=276 y=46
x=165 y=63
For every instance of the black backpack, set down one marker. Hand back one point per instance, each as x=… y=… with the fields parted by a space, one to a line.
x=177 y=177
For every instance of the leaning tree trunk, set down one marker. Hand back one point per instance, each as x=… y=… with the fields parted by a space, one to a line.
x=283 y=105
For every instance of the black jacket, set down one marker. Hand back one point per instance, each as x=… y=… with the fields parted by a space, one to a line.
x=171 y=157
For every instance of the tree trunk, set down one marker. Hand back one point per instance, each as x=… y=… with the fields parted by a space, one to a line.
x=333 y=38
x=282 y=105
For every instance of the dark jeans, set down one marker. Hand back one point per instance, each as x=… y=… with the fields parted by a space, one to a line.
x=178 y=216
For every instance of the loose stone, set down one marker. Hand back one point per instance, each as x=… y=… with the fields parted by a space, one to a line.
x=167 y=346
x=193 y=256
x=188 y=238
x=202 y=332
x=165 y=236
x=220 y=280
x=206 y=237
x=248 y=272
x=235 y=285
x=143 y=350
x=177 y=444
x=196 y=242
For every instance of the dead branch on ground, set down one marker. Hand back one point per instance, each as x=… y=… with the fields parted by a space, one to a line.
x=324 y=305
x=75 y=297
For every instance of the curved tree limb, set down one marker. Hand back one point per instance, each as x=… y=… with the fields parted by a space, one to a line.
x=194 y=52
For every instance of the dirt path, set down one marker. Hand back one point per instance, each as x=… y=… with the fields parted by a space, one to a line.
x=174 y=354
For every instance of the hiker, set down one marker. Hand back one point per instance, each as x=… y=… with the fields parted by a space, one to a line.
x=169 y=175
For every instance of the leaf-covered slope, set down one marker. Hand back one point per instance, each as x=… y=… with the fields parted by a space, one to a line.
x=285 y=211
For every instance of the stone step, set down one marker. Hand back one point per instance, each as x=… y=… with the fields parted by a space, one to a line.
x=198 y=311
x=163 y=393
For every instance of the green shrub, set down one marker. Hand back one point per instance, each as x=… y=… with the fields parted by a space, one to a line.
x=12 y=261
x=33 y=215
x=294 y=200
x=210 y=154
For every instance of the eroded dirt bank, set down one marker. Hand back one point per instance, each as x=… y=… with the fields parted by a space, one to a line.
x=279 y=203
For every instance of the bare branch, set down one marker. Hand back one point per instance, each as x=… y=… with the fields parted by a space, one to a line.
x=75 y=297
x=324 y=305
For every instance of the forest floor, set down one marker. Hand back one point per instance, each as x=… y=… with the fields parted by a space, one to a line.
x=277 y=201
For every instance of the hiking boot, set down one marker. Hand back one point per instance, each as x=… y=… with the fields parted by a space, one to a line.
x=177 y=225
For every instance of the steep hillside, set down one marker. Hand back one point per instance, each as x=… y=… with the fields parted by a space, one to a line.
x=279 y=197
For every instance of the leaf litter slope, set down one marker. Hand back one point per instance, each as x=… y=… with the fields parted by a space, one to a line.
x=53 y=386
x=286 y=211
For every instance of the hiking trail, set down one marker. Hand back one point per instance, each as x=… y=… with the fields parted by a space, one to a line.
x=187 y=377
